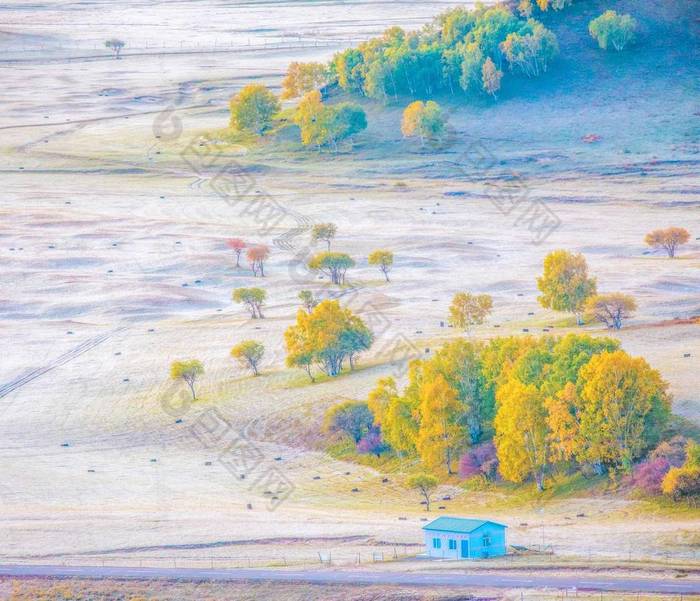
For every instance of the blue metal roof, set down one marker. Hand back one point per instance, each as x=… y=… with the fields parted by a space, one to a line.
x=464 y=525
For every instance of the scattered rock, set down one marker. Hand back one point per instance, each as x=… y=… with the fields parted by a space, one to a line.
x=580 y=515
x=178 y=420
x=403 y=519
x=65 y=444
x=91 y=471
x=154 y=460
x=355 y=490
x=385 y=480
x=249 y=506
x=278 y=458
x=317 y=477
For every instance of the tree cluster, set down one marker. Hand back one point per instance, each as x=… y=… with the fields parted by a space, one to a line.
x=461 y=50
x=326 y=336
x=327 y=125
x=574 y=402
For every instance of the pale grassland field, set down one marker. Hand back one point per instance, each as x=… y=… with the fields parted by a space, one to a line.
x=107 y=229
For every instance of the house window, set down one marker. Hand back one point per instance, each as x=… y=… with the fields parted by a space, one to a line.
x=437 y=543
x=452 y=544
x=486 y=540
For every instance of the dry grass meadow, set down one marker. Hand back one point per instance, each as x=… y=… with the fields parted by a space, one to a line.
x=114 y=264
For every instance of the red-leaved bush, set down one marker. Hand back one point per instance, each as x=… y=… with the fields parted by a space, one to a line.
x=479 y=461
x=648 y=475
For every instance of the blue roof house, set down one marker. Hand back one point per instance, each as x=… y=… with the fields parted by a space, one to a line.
x=460 y=538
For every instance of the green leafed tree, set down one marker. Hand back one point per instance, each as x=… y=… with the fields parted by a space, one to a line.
x=332 y=264
x=308 y=300
x=565 y=284
x=423 y=120
x=613 y=31
x=253 y=298
x=530 y=51
x=425 y=484
x=253 y=108
x=249 y=353
x=188 y=371
x=324 y=232
x=384 y=259
x=326 y=337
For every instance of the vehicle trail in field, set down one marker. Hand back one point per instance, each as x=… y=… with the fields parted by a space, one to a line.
x=66 y=357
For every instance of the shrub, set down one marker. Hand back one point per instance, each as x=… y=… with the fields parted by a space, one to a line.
x=479 y=461
x=371 y=443
x=684 y=482
x=649 y=475
x=673 y=451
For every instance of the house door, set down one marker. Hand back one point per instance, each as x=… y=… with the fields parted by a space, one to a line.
x=464 y=549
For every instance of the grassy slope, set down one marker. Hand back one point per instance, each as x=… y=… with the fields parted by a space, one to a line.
x=640 y=101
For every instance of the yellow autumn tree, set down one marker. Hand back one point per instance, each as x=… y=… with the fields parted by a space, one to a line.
x=521 y=433
x=563 y=425
x=380 y=397
x=400 y=425
x=310 y=117
x=302 y=78
x=440 y=435
x=624 y=407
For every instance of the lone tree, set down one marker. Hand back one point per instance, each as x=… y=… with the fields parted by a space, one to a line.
x=425 y=484
x=611 y=309
x=257 y=255
x=327 y=336
x=383 y=259
x=188 y=371
x=307 y=300
x=668 y=239
x=491 y=77
x=238 y=246
x=254 y=298
x=325 y=232
x=423 y=120
x=253 y=108
x=334 y=265
x=115 y=45
x=565 y=284
x=248 y=353
x=611 y=29
x=468 y=310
